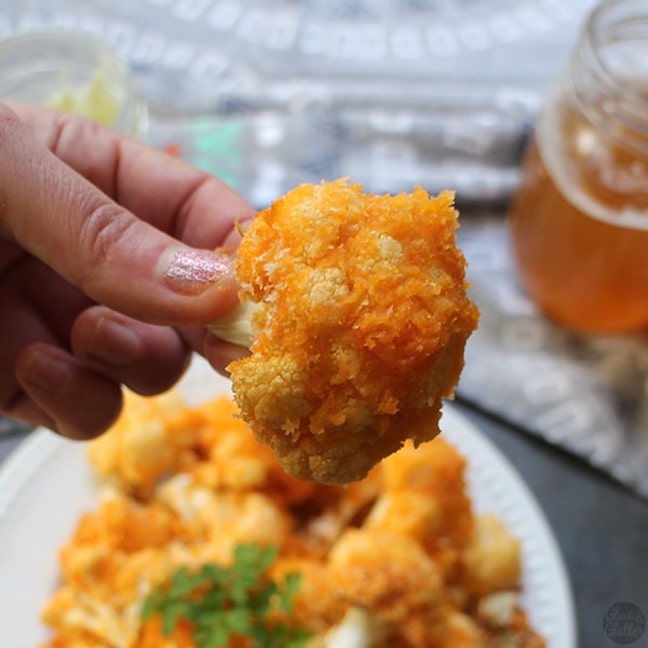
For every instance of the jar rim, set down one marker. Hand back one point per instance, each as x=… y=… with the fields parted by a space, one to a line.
x=615 y=21
x=611 y=30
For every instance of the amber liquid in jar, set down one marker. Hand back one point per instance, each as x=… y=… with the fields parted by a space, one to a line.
x=579 y=226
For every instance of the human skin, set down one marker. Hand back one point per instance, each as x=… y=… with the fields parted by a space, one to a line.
x=108 y=273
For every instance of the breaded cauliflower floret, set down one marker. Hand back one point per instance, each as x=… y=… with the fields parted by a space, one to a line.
x=361 y=320
x=435 y=471
x=153 y=436
x=387 y=573
x=316 y=605
x=492 y=560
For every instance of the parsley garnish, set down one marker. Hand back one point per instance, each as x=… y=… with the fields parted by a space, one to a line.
x=225 y=602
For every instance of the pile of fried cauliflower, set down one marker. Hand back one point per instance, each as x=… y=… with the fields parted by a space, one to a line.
x=398 y=559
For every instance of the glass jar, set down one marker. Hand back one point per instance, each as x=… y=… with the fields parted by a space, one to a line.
x=579 y=221
x=73 y=72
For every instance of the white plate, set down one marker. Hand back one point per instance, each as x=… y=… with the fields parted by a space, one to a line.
x=47 y=483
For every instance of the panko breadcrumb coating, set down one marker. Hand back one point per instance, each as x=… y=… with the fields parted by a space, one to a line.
x=361 y=316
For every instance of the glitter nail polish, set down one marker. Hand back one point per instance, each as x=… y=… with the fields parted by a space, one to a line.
x=191 y=272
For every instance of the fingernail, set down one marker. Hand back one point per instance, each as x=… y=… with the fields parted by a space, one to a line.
x=48 y=372
x=113 y=342
x=192 y=272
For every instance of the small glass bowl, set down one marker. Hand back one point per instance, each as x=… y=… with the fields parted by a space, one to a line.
x=72 y=72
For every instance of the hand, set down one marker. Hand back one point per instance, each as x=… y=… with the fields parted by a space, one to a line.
x=107 y=273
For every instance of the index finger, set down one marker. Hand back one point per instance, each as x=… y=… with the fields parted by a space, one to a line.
x=148 y=270
x=177 y=198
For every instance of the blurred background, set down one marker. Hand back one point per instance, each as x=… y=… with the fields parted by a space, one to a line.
x=390 y=92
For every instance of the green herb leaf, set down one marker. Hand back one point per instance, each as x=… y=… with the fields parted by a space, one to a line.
x=222 y=602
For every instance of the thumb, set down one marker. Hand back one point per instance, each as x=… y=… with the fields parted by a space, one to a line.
x=103 y=249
